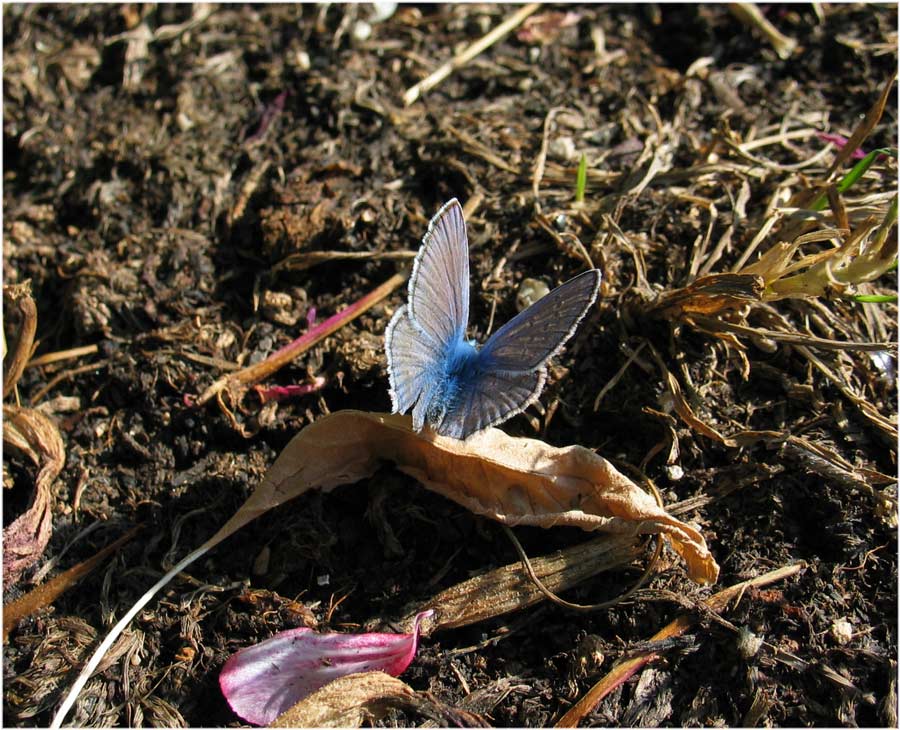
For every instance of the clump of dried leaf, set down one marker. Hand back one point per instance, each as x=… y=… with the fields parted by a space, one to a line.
x=32 y=434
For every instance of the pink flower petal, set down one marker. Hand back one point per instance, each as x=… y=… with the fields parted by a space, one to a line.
x=839 y=141
x=282 y=392
x=262 y=681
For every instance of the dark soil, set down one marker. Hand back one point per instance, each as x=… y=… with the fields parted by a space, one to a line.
x=158 y=186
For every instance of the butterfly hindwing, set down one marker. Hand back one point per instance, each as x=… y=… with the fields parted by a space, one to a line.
x=489 y=398
x=412 y=358
x=535 y=335
x=439 y=283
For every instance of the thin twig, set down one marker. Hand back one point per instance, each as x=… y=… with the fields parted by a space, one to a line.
x=52 y=357
x=66 y=375
x=615 y=378
x=460 y=60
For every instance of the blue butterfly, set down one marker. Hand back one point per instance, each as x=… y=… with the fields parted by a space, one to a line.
x=443 y=377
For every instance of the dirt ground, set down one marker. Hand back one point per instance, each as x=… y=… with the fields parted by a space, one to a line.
x=169 y=169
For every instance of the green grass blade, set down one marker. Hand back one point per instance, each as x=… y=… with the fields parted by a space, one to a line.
x=874 y=298
x=852 y=177
x=581 y=179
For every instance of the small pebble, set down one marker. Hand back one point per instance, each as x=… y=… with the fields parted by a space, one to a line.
x=749 y=643
x=842 y=631
x=382 y=11
x=530 y=290
x=563 y=148
x=362 y=31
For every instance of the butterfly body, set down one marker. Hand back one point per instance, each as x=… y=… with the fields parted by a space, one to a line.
x=445 y=379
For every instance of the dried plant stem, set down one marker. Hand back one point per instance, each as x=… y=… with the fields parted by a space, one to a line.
x=460 y=60
x=71 y=354
x=623 y=670
x=301 y=261
x=711 y=324
x=242 y=379
x=59 y=377
x=750 y=15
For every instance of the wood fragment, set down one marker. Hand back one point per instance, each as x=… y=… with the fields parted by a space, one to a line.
x=508 y=589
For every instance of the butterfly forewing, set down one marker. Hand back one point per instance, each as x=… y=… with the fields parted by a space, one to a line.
x=439 y=284
x=532 y=337
x=489 y=398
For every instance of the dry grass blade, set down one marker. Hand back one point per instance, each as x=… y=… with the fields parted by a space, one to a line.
x=683 y=409
x=865 y=127
x=48 y=592
x=623 y=670
x=886 y=426
x=711 y=294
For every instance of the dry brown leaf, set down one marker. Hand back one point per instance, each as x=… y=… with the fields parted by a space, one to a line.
x=516 y=481
x=710 y=294
x=20 y=318
x=37 y=437
x=347 y=702
x=361 y=698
